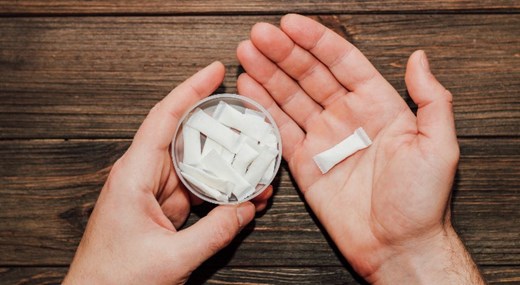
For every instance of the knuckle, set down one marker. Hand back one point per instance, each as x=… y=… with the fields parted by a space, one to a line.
x=448 y=95
x=155 y=108
x=451 y=155
x=117 y=165
x=116 y=168
x=455 y=154
x=114 y=173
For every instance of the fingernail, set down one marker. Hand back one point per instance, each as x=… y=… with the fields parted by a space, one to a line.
x=245 y=213
x=424 y=62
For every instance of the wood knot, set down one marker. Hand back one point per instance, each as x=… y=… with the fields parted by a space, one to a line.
x=334 y=23
x=78 y=217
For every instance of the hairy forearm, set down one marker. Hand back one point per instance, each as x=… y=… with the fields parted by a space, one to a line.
x=443 y=260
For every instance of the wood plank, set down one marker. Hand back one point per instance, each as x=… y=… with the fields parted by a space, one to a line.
x=253 y=275
x=32 y=275
x=97 y=77
x=9 y=7
x=48 y=188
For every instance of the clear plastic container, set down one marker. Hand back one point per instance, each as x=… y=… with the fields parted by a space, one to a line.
x=208 y=105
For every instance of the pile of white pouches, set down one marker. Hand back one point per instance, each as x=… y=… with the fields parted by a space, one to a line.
x=229 y=153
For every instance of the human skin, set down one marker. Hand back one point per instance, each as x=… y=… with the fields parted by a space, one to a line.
x=134 y=234
x=386 y=207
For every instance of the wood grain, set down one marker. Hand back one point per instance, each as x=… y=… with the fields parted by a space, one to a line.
x=97 y=77
x=48 y=188
x=253 y=275
x=92 y=76
x=9 y=7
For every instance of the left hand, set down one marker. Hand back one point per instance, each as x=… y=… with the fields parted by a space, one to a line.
x=133 y=235
x=386 y=203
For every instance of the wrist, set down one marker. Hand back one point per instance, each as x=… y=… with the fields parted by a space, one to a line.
x=81 y=276
x=441 y=259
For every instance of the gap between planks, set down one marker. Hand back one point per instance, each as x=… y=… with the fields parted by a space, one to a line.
x=262 y=13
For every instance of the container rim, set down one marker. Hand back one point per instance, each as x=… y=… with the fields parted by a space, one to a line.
x=219 y=97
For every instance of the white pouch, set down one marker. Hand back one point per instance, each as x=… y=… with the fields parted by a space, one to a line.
x=224 y=186
x=249 y=125
x=270 y=140
x=214 y=130
x=260 y=115
x=245 y=194
x=244 y=157
x=256 y=170
x=269 y=172
x=214 y=163
x=210 y=145
x=355 y=142
x=191 y=138
x=205 y=188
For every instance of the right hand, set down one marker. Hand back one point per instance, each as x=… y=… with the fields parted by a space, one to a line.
x=383 y=203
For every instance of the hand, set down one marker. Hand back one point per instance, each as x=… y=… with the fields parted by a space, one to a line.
x=133 y=235
x=386 y=207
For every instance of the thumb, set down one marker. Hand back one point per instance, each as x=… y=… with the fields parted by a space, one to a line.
x=214 y=232
x=435 y=119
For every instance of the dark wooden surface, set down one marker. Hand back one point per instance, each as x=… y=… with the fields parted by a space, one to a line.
x=155 y=7
x=77 y=78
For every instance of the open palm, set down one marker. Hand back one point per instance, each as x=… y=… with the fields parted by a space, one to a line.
x=320 y=88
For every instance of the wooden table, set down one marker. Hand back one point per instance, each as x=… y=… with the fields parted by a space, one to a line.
x=78 y=77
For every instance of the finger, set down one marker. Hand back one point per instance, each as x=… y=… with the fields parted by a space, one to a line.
x=261 y=200
x=285 y=91
x=176 y=206
x=352 y=69
x=265 y=195
x=435 y=114
x=213 y=232
x=158 y=128
x=290 y=132
x=260 y=206
x=314 y=77
x=195 y=201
